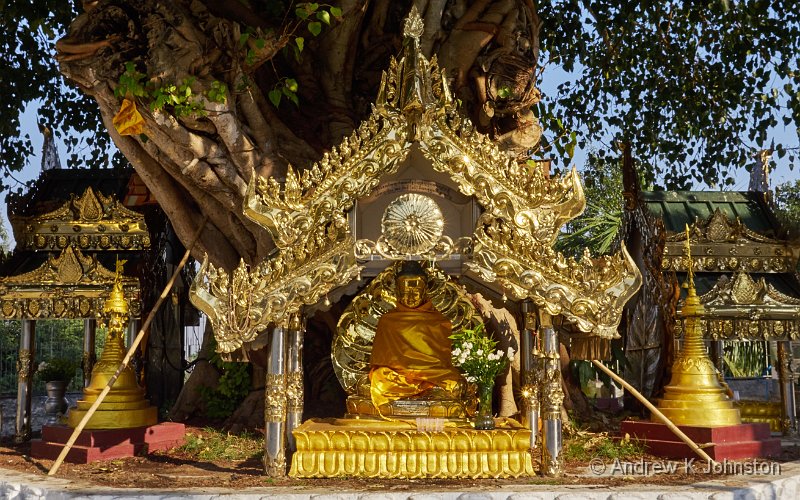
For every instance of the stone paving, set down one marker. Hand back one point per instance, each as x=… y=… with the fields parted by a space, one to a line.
x=8 y=408
x=784 y=485
x=15 y=485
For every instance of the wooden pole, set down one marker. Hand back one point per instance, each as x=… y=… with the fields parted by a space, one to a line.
x=674 y=428
x=131 y=350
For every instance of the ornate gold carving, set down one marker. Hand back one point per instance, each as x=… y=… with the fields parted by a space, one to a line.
x=81 y=220
x=242 y=305
x=294 y=392
x=275 y=397
x=722 y=244
x=524 y=212
x=24 y=365
x=552 y=394
x=68 y=286
x=380 y=449
x=412 y=224
x=275 y=466
x=590 y=292
x=739 y=307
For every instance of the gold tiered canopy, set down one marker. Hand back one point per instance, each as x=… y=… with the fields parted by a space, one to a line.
x=73 y=285
x=511 y=247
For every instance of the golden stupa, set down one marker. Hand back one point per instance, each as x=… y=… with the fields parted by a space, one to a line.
x=694 y=395
x=125 y=406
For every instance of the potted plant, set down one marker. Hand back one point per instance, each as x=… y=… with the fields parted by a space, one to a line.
x=56 y=373
x=475 y=354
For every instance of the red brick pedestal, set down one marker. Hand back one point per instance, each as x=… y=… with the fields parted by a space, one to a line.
x=105 y=444
x=732 y=442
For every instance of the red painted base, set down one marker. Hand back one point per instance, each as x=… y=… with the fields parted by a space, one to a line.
x=105 y=444
x=732 y=442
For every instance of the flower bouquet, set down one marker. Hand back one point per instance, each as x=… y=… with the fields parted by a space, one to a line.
x=477 y=356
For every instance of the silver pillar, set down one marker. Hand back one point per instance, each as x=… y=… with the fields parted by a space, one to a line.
x=25 y=370
x=294 y=379
x=275 y=406
x=716 y=355
x=529 y=361
x=137 y=360
x=89 y=356
x=552 y=396
x=786 y=380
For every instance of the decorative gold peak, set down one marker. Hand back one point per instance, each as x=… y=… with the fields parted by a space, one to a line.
x=90 y=221
x=413 y=27
x=116 y=302
x=88 y=207
x=692 y=305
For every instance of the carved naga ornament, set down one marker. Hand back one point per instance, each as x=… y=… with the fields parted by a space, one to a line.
x=512 y=243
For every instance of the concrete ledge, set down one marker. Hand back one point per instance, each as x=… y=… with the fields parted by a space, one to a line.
x=20 y=486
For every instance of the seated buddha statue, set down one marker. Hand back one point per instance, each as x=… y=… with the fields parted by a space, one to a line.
x=411 y=351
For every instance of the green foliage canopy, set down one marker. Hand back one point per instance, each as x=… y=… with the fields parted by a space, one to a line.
x=693 y=87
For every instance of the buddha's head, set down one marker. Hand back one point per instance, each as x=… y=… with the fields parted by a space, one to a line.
x=411 y=285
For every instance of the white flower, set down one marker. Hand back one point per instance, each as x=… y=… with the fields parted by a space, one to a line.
x=462 y=359
x=494 y=356
x=456 y=351
x=510 y=353
x=480 y=352
x=468 y=345
x=470 y=378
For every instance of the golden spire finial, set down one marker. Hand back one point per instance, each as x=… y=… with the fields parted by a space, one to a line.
x=413 y=27
x=116 y=301
x=690 y=264
x=692 y=306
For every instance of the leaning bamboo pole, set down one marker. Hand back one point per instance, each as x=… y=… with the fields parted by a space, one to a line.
x=131 y=350
x=674 y=428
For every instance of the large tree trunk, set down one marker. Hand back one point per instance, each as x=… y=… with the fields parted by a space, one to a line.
x=199 y=164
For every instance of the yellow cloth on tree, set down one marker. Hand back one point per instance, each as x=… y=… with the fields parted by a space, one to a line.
x=128 y=121
x=410 y=354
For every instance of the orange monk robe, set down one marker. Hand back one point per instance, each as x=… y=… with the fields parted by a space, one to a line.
x=410 y=354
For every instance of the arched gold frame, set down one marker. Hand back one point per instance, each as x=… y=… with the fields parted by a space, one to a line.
x=355 y=331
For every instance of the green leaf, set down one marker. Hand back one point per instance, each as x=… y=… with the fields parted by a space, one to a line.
x=315 y=28
x=275 y=97
x=260 y=43
x=291 y=84
x=300 y=42
x=301 y=13
x=324 y=17
x=336 y=12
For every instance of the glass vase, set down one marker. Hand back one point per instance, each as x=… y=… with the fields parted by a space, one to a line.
x=484 y=420
x=56 y=403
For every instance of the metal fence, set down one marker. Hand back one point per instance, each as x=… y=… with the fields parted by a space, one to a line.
x=54 y=339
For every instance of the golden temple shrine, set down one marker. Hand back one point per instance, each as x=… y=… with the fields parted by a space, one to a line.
x=744 y=289
x=414 y=183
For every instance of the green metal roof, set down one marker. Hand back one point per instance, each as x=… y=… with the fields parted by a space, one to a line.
x=678 y=208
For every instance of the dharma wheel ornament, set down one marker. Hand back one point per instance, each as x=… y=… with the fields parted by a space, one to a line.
x=412 y=224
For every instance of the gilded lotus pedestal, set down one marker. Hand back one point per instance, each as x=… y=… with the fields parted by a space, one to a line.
x=396 y=449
